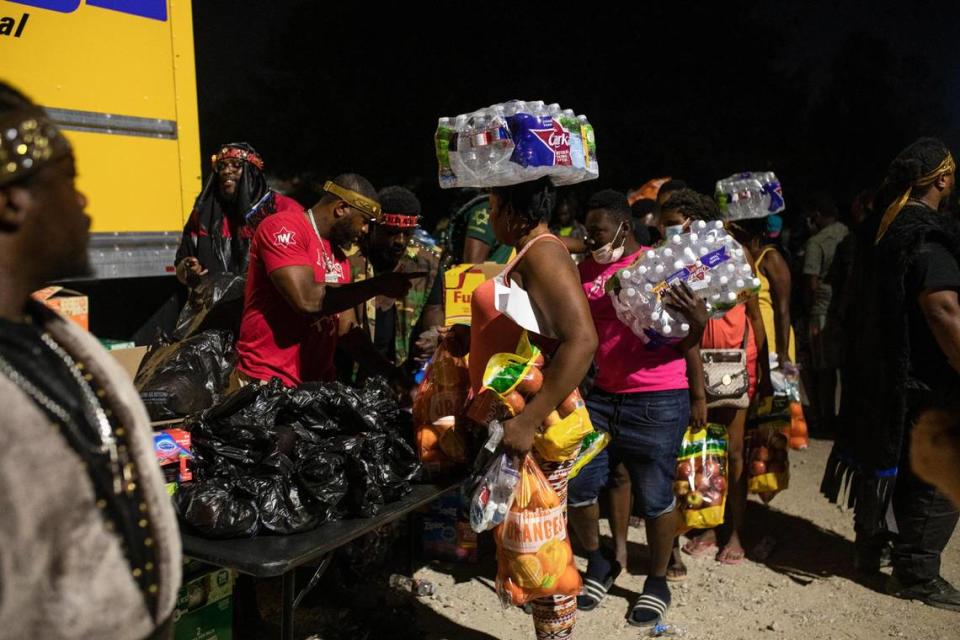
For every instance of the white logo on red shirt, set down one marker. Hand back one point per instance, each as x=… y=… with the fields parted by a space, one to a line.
x=284 y=238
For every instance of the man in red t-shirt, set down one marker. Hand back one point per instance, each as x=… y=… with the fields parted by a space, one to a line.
x=298 y=298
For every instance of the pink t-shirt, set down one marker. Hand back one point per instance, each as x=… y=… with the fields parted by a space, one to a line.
x=624 y=363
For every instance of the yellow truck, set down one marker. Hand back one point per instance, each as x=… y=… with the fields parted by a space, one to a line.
x=118 y=77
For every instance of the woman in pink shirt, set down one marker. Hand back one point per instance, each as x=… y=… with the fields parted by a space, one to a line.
x=641 y=396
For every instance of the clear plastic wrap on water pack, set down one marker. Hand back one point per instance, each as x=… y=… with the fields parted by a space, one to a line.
x=749 y=195
x=707 y=258
x=514 y=142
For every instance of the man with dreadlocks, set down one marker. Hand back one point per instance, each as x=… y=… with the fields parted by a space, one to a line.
x=216 y=238
x=903 y=360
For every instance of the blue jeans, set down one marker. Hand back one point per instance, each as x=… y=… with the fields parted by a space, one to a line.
x=646 y=431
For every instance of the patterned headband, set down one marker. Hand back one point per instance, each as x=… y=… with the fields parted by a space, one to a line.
x=241 y=154
x=398 y=220
x=28 y=142
x=369 y=207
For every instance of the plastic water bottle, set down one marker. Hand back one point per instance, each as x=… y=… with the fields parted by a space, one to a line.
x=442 y=140
x=500 y=149
x=415 y=586
x=589 y=146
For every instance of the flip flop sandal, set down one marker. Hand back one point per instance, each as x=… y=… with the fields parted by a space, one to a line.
x=678 y=575
x=727 y=560
x=594 y=591
x=648 y=602
x=698 y=548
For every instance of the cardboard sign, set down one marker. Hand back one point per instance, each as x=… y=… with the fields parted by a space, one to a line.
x=72 y=305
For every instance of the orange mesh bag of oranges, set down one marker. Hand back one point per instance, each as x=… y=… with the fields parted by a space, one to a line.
x=534 y=557
x=439 y=402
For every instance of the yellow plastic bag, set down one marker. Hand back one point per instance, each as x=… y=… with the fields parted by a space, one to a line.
x=701 y=485
x=768 y=466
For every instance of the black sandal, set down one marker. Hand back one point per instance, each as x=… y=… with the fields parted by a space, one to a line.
x=648 y=602
x=594 y=591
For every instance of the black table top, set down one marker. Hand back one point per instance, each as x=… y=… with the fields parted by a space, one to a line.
x=269 y=556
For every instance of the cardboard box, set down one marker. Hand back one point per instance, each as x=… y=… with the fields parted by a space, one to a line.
x=446 y=533
x=459 y=283
x=129 y=359
x=72 y=305
x=204 y=609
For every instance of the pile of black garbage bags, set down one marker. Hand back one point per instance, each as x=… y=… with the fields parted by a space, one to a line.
x=269 y=459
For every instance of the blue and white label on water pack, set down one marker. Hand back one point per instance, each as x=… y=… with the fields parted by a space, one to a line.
x=693 y=274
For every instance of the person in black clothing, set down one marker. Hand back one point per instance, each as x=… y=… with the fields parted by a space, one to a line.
x=216 y=237
x=903 y=358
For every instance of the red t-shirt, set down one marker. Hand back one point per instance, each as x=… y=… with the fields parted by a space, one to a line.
x=275 y=339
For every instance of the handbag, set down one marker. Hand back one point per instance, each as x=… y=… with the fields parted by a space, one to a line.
x=726 y=380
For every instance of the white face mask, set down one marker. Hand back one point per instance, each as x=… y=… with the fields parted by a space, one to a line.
x=675 y=230
x=607 y=254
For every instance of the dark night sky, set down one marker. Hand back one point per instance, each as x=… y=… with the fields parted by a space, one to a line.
x=822 y=93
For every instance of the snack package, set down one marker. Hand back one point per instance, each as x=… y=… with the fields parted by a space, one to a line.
x=173 y=452
x=768 y=467
x=509 y=380
x=446 y=534
x=534 y=557
x=701 y=485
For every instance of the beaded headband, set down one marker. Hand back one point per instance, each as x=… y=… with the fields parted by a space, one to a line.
x=399 y=220
x=241 y=154
x=28 y=141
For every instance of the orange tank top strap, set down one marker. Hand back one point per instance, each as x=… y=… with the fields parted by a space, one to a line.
x=513 y=263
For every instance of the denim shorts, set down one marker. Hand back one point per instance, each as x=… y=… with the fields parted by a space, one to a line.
x=646 y=430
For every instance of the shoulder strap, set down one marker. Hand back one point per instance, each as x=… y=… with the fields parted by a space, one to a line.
x=522 y=252
x=746 y=327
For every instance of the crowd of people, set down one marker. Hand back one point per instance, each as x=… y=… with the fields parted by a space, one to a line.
x=347 y=286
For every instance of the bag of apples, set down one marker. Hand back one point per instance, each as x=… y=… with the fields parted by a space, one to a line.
x=438 y=403
x=534 y=557
x=768 y=472
x=509 y=380
x=701 y=485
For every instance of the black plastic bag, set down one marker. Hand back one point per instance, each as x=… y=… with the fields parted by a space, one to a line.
x=307 y=455
x=216 y=303
x=176 y=380
x=219 y=508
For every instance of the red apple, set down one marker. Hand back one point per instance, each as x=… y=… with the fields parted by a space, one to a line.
x=516 y=402
x=711 y=467
x=719 y=483
x=758 y=468
x=684 y=469
x=552 y=418
x=539 y=361
x=530 y=383
x=701 y=482
x=570 y=404
x=761 y=453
